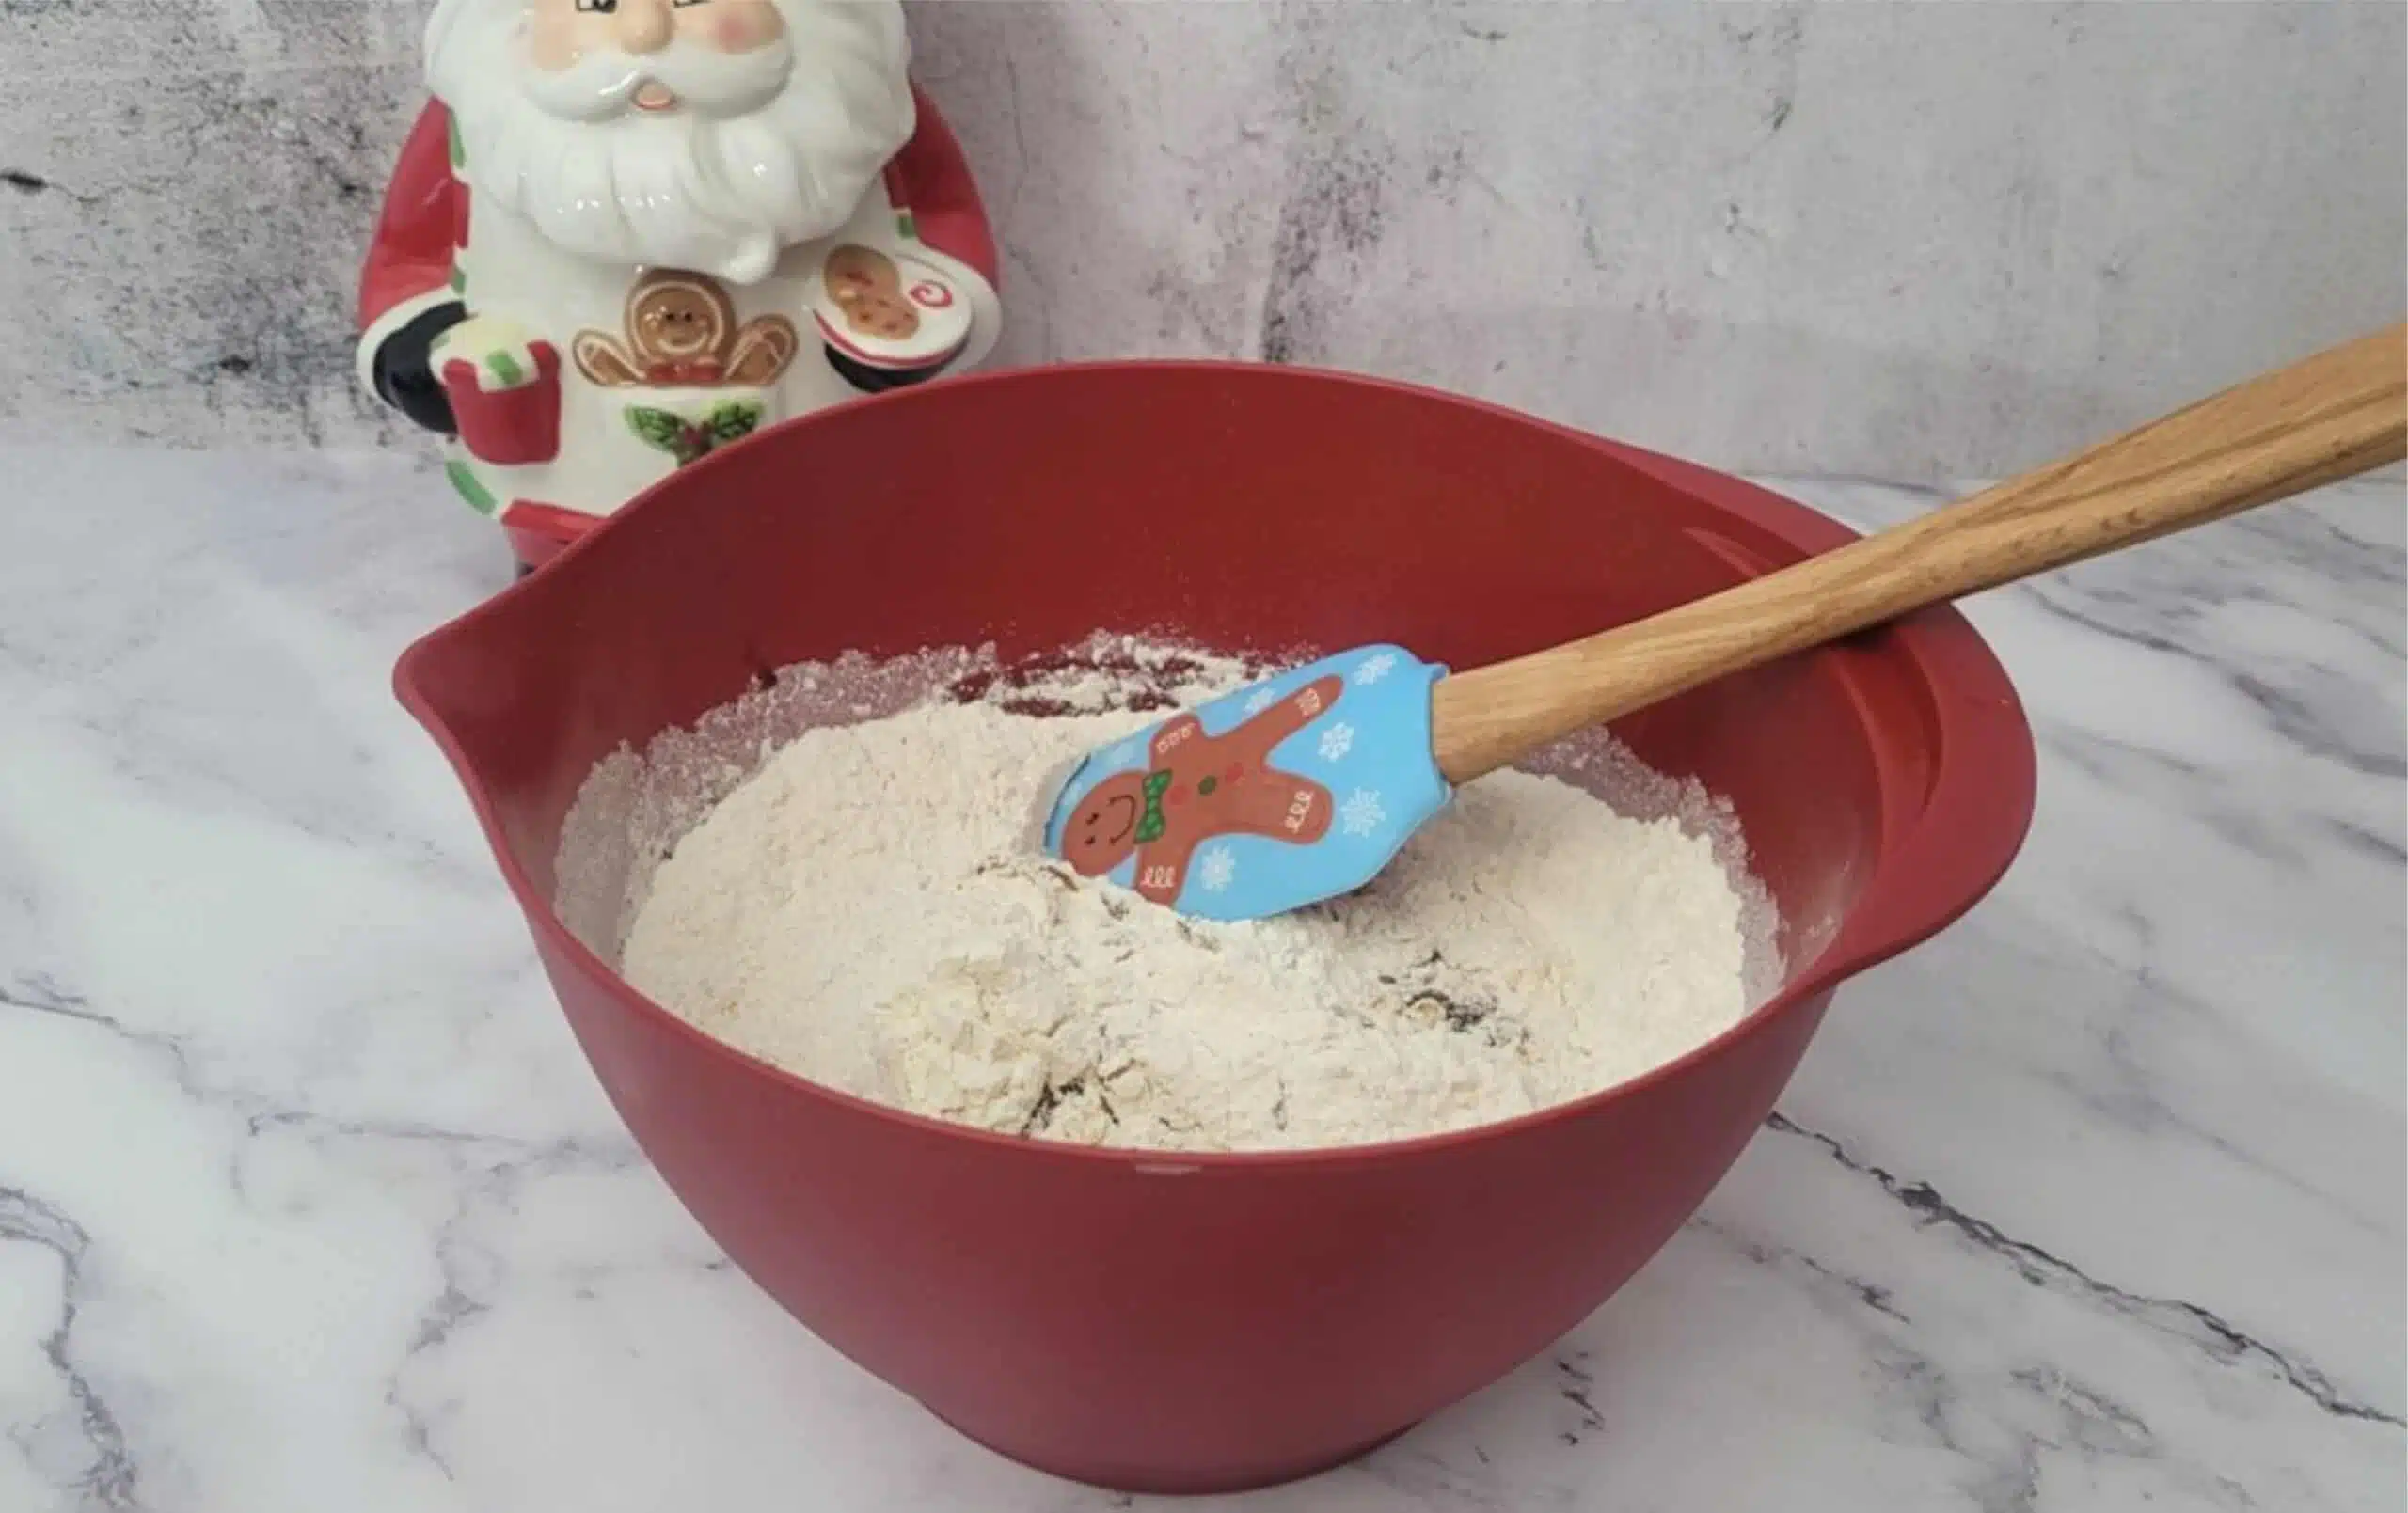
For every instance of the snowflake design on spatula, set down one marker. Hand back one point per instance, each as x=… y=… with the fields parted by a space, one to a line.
x=1216 y=869
x=1375 y=666
x=1362 y=812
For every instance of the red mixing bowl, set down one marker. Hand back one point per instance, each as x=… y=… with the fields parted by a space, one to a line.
x=1196 y=1323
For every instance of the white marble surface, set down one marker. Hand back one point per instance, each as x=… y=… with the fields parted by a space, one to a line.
x=307 y=1201
x=1897 y=240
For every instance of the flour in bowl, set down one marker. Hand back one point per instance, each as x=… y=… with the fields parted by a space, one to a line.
x=868 y=910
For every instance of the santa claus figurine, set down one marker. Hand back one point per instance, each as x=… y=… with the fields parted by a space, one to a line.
x=627 y=232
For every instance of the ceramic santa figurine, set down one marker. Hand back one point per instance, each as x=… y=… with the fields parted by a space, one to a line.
x=627 y=232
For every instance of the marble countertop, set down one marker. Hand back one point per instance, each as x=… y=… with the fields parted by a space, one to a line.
x=307 y=1201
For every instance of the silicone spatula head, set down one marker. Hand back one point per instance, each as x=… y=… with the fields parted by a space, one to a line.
x=1284 y=792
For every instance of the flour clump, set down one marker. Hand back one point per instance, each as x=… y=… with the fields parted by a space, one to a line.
x=867 y=909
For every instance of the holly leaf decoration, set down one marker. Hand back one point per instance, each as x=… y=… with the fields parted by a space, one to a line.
x=692 y=440
x=734 y=419
x=657 y=428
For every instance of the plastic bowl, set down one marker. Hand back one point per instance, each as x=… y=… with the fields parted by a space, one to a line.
x=1192 y=1324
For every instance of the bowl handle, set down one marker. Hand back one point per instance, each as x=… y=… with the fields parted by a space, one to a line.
x=1976 y=813
x=1974 y=819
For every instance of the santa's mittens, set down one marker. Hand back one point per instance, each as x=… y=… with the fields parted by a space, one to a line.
x=876 y=380
x=401 y=370
x=505 y=390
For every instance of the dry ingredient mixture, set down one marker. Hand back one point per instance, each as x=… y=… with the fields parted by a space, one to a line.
x=867 y=908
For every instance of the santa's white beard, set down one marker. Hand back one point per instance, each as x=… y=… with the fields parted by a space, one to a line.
x=744 y=167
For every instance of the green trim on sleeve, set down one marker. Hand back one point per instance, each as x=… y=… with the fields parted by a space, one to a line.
x=463 y=478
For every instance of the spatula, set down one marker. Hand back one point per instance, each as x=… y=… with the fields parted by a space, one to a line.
x=1301 y=787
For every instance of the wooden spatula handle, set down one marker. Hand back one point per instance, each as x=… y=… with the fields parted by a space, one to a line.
x=2340 y=413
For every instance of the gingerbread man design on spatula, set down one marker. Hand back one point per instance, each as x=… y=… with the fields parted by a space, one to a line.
x=1196 y=788
x=1264 y=799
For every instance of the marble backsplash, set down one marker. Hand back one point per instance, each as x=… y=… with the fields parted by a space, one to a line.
x=1907 y=242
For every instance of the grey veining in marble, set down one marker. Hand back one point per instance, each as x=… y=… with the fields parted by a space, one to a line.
x=1904 y=241
x=307 y=1201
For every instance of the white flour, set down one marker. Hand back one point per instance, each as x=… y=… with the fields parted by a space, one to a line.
x=867 y=910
